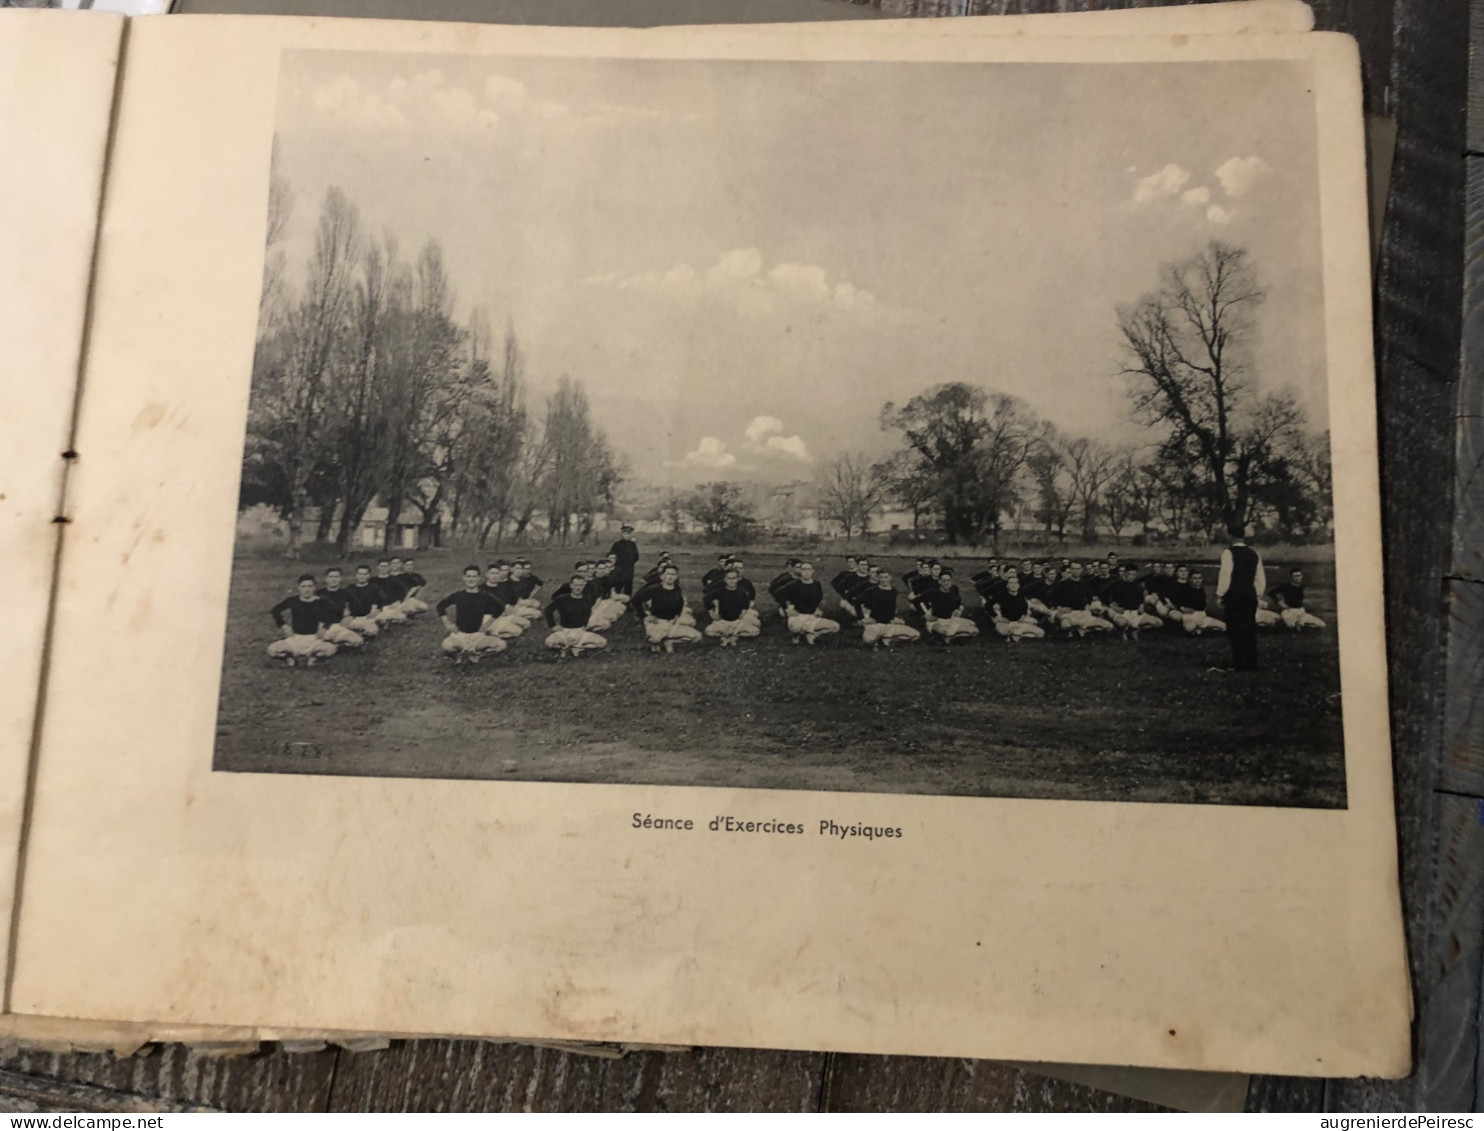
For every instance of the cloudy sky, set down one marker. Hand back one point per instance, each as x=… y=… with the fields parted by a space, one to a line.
x=743 y=261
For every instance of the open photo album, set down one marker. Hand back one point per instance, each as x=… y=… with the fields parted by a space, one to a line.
x=859 y=538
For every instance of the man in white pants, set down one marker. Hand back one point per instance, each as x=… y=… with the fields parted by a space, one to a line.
x=661 y=607
x=1123 y=604
x=1290 y=601
x=1012 y=613
x=608 y=603
x=361 y=600
x=412 y=603
x=389 y=593
x=337 y=597
x=304 y=632
x=568 y=615
x=802 y=600
x=467 y=615
x=1187 y=599
x=729 y=606
x=942 y=608
x=877 y=605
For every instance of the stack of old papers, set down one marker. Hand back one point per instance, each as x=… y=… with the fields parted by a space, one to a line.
x=926 y=294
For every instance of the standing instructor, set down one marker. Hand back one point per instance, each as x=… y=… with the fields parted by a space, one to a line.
x=1243 y=580
x=625 y=555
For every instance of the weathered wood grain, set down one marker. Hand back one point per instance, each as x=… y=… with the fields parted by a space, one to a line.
x=1476 y=77
x=1421 y=273
x=1468 y=523
x=21 y=1093
x=1285 y=1093
x=1463 y=737
x=172 y=1076
x=921 y=1084
x=478 y=1076
x=1448 y=1019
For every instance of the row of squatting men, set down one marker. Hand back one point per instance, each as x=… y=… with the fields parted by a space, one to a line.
x=1108 y=595
x=499 y=604
x=317 y=620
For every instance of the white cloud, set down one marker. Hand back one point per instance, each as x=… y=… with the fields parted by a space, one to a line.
x=1217 y=214
x=740 y=275
x=765 y=436
x=1241 y=173
x=710 y=453
x=424 y=98
x=511 y=96
x=761 y=428
x=791 y=446
x=343 y=103
x=1196 y=196
x=736 y=266
x=1156 y=186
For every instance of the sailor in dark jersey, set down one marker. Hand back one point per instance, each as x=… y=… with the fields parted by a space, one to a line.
x=334 y=594
x=744 y=583
x=802 y=600
x=729 y=606
x=1072 y=605
x=881 y=627
x=1012 y=614
x=362 y=601
x=1123 y=604
x=865 y=578
x=661 y=606
x=780 y=584
x=713 y=577
x=1034 y=591
x=568 y=615
x=913 y=574
x=942 y=608
x=608 y=604
x=411 y=582
x=1187 y=605
x=527 y=586
x=511 y=620
x=653 y=576
x=1289 y=598
x=389 y=594
x=925 y=581
x=841 y=583
x=467 y=615
x=303 y=619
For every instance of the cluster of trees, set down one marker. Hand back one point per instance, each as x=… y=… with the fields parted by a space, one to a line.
x=366 y=387
x=1219 y=455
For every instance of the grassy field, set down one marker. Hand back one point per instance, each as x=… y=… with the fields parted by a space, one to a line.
x=1096 y=719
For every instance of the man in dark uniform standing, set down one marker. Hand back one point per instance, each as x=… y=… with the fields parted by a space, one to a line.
x=625 y=557
x=1243 y=580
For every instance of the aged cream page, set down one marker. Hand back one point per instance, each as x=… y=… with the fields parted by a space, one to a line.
x=1236 y=937
x=56 y=97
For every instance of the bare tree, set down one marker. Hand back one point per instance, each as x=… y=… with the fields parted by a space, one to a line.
x=852 y=490
x=1188 y=346
x=319 y=321
x=1090 y=464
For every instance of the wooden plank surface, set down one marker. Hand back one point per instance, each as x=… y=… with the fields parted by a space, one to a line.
x=1468 y=528
x=1417 y=72
x=479 y=1076
x=922 y=1084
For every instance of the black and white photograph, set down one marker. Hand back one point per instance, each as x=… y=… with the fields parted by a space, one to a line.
x=758 y=424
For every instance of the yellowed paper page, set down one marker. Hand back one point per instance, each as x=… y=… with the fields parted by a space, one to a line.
x=1263 y=935
x=1231 y=17
x=56 y=96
